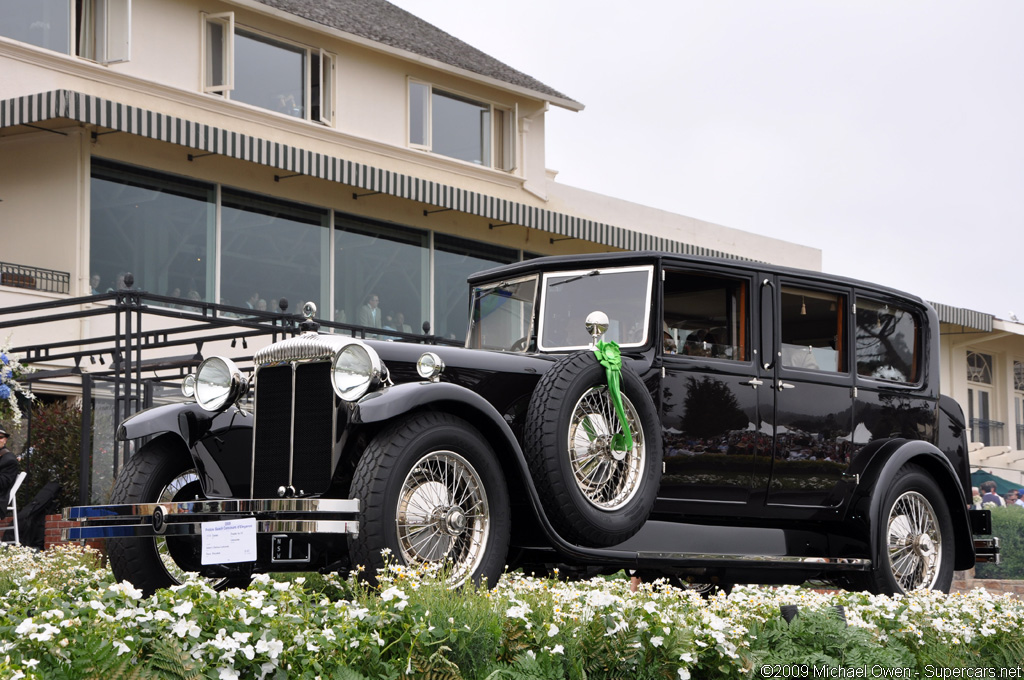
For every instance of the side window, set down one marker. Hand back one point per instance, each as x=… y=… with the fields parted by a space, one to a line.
x=706 y=315
x=887 y=341
x=99 y=30
x=812 y=330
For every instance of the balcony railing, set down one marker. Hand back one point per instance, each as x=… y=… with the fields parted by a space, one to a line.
x=34 y=278
x=988 y=432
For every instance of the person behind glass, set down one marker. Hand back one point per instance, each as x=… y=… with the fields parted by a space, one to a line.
x=253 y=300
x=369 y=314
x=9 y=470
x=94 y=284
x=989 y=495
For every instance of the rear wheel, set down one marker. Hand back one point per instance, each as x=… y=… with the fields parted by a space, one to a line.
x=914 y=537
x=161 y=472
x=430 y=489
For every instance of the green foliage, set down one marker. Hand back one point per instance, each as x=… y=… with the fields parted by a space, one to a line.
x=822 y=639
x=63 y=617
x=1008 y=525
x=55 y=454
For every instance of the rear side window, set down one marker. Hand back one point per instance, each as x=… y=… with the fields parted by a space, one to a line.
x=887 y=341
x=812 y=330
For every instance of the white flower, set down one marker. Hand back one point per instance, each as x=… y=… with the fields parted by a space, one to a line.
x=558 y=649
x=122 y=648
x=684 y=674
x=183 y=609
x=657 y=641
x=26 y=626
x=271 y=648
x=227 y=674
x=552 y=630
x=650 y=607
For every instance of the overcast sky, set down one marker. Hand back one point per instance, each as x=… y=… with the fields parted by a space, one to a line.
x=887 y=134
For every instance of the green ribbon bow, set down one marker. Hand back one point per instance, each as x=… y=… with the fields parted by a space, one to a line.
x=609 y=356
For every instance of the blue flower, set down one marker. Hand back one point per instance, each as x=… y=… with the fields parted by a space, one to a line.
x=5 y=392
x=3 y=358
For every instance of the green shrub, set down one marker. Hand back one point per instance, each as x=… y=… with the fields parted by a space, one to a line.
x=1008 y=525
x=54 y=455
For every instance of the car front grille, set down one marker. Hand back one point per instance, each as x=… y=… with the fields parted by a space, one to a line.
x=294 y=433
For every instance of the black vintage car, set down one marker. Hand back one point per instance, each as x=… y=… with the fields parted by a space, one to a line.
x=766 y=425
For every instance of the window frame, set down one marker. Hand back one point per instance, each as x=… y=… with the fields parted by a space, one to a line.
x=742 y=323
x=324 y=70
x=503 y=133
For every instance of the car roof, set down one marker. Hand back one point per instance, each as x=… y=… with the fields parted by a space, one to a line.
x=649 y=257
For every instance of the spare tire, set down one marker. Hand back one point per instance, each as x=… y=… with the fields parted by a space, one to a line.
x=594 y=495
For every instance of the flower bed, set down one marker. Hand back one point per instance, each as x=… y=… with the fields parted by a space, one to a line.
x=62 y=616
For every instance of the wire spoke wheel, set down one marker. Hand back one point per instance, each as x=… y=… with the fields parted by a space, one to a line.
x=443 y=513
x=608 y=478
x=914 y=541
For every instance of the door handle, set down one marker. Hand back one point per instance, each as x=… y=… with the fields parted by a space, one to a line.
x=784 y=386
x=753 y=382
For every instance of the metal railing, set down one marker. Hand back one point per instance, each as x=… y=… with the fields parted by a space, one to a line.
x=34 y=278
x=988 y=432
x=127 y=360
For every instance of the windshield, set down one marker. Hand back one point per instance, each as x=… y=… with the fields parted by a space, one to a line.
x=624 y=294
x=502 y=314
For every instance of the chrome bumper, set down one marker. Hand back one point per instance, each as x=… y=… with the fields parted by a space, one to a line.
x=272 y=515
x=986 y=550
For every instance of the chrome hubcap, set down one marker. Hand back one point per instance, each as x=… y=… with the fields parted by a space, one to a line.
x=914 y=542
x=607 y=477
x=443 y=513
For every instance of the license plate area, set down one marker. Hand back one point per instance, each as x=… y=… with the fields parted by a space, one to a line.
x=287 y=550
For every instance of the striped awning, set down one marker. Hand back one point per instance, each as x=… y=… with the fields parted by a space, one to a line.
x=963 y=317
x=89 y=109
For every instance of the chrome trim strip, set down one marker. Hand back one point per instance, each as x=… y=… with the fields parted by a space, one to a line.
x=291 y=435
x=319 y=527
x=847 y=562
x=99 y=513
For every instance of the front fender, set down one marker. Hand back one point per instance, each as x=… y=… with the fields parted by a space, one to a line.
x=220 y=443
x=877 y=476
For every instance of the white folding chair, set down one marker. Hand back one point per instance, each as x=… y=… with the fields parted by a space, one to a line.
x=12 y=507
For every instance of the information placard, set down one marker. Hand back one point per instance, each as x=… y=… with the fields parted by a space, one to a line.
x=231 y=540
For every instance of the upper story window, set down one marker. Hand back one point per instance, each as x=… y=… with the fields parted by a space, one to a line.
x=979 y=368
x=812 y=330
x=99 y=30
x=887 y=340
x=705 y=316
x=460 y=127
x=251 y=67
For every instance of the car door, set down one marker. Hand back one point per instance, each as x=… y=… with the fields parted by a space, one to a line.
x=709 y=393
x=813 y=393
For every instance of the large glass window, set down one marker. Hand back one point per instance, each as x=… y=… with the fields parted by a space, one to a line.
x=44 y=23
x=705 y=316
x=459 y=127
x=812 y=330
x=502 y=315
x=272 y=250
x=157 y=227
x=454 y=260
x=886 y=342
x=95 y=29
x=273 y=74
x=389 y=263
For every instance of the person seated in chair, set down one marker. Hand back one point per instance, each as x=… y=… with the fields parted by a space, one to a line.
x=9 y=470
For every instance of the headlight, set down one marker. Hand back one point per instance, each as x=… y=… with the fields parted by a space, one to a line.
x=188 y=385
x=356 y=370
x=219 y=383
x=429 y=366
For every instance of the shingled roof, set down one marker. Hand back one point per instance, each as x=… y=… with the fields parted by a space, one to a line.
x=382 y=22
